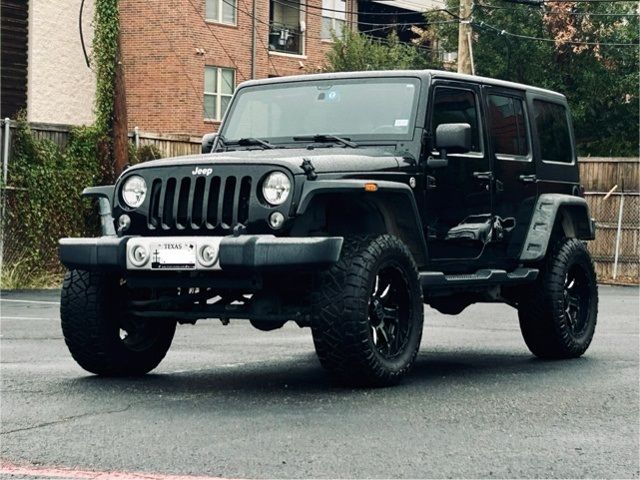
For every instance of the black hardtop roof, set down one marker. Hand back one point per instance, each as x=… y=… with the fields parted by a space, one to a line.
x=422 y=74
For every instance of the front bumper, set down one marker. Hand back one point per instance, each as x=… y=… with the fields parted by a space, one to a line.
x=241 y=252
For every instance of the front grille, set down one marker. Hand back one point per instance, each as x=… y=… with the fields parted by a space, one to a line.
x=199 y=203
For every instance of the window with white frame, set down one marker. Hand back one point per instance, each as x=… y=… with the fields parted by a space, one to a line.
x=221 y=11
x=219 y=84
x=333 y=18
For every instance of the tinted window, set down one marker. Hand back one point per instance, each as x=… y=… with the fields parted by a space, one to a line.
x=453 y=105
x=508 y=131
x=553 y=131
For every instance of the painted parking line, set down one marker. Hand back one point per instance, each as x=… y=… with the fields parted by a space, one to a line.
x=42 y=302
x=8 y=468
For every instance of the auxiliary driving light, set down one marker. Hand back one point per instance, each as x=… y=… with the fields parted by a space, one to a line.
x=207 y=255
x=124 y=222
x=276 y=220
x=139 y=255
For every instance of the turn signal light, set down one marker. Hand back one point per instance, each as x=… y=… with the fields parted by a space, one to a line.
x=370 y=187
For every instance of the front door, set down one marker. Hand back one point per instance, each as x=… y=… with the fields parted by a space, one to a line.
x=515 y=181
x=458 y=199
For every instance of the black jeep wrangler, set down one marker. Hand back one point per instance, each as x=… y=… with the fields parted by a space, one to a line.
x=344 y=202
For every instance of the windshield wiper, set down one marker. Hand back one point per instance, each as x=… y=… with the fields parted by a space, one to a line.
x=251 y=141
x=326 y=139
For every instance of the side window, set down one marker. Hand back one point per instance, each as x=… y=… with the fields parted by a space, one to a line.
x=507 y=126
x=455 y=105
x=553 y=131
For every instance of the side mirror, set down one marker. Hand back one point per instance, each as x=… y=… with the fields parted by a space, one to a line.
x=453 y=138
x=207 y=142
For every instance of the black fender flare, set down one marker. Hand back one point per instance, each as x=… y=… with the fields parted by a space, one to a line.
x=573 y=214
x=396 y=198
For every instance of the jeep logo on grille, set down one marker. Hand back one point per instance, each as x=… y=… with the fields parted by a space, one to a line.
x=202 y=171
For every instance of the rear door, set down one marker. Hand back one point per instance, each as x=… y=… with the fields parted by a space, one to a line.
x=515 y=186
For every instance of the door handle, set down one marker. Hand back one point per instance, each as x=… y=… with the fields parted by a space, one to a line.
x=430 y=182
x=483 y=176
x=528 y=178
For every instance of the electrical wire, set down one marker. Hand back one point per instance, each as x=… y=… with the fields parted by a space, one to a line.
x=84 y=48
x=302 y=5
x=551 y=40
x=384 y=26
x=264 y=45
x=198 y=94
x=289 y=5
x=592 y=14
x=195 y=8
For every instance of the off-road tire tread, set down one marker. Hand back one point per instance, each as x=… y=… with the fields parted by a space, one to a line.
x=541 y=311
x=87 y=315
x=339 y=330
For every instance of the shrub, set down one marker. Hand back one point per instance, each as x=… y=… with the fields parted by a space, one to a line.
x=43 y=201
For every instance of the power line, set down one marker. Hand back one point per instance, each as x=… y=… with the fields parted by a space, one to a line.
x=198 y=94
x=218 y=40
x=299 y=7
x=593 y=14
x=527 y=37
x=275 y=69
x=382 y=26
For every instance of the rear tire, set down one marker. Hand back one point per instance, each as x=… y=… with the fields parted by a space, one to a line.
x=368 y=312
x=558 y=316
x=100 y=335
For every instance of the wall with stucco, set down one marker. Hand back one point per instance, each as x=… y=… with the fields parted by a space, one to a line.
x=61 y=88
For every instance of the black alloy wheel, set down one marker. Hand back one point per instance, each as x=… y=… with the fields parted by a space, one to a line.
x=368 y=312
x=390 y=311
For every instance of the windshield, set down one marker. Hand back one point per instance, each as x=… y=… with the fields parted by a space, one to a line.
x=357 y=109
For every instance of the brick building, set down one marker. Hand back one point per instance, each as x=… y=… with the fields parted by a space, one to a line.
x=183 y=58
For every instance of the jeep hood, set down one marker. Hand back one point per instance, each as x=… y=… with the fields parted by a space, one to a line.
x=324 y=160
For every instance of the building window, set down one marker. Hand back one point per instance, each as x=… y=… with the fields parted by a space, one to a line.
x=286 y=32
x=508 y=130
x=554 y=135
x=333 y=19
x=221 y=11
x=219 y=84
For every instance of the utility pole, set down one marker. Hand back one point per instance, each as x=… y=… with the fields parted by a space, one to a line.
x=120 y=127
x=465 y=34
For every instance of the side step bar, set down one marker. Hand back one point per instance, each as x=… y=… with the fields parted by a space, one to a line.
x=485 y=277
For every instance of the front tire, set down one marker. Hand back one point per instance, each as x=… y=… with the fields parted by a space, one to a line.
x=101 y=336
x=368 y=312
x=558 y=318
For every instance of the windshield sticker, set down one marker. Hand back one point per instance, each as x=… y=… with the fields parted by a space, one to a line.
x=331 y=96
x=401 y=122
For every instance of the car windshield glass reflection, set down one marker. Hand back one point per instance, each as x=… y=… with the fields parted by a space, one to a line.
x=356 y=109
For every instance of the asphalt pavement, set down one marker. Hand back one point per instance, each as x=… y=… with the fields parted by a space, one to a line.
x=234 y=402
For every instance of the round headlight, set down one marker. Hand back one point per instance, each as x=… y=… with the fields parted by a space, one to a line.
x=276 y=188
x=134 y=190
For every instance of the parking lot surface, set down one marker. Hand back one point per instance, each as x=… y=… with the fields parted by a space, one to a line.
x=230 y=401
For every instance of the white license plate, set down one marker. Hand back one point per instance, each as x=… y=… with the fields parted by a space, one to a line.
x=171 y=254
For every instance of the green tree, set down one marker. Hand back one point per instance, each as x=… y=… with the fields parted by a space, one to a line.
x=599 y=80
x=357 y=51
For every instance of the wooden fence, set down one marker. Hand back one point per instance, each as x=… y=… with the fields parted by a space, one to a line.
x=598 y=175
